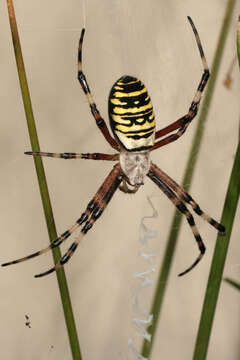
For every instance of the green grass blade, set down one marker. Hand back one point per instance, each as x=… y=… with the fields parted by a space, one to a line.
x=220 y=253
x=62 y=283
x=233 y=283
x=187 y=179
x=219 y=256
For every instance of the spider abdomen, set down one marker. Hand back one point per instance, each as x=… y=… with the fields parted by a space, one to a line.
x=131 y=114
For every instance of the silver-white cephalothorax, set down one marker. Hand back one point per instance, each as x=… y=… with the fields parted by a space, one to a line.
x=135 y=166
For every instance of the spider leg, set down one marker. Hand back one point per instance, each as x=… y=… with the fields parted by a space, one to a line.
x=83 y=81
x=174 y=126
x=183 y=195
x=96 y=213
x=93 y=156
x=183 y=209
x=182 y=123
x=92 y=207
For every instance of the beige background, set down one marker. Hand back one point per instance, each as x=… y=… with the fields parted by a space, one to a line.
x=153 y=41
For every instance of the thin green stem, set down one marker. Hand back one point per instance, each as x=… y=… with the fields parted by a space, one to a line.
x=219 y=256
x=62 y=283
x=187 y=179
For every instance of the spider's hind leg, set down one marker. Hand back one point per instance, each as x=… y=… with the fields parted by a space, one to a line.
x=89 y=216
x=98 y=204
x=187 y=198
x=183 y=209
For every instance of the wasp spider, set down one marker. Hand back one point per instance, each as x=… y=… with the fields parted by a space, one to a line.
x=133 y=125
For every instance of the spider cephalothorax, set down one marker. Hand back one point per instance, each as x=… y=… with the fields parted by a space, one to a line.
x=135 y=166
x=133 y=125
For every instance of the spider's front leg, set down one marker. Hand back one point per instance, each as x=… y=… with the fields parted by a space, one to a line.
x=84 y=84
x=86 y=156
x=93 y=211
x=182 y=123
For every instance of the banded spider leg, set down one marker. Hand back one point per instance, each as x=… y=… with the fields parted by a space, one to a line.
x=184 y=121
x=95 y=112
x=93 y=211
x=66 y=156
x=169 y=186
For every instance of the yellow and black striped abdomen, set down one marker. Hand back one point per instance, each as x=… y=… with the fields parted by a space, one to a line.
x=131 y=114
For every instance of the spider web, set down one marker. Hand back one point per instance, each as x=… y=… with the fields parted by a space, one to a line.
x=141 y=319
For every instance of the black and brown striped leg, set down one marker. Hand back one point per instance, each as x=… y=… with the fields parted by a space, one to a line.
x=183 y=195
x=182 y=123
x=97 y=210
x=183 y=209
x=83 y=81
x=92 y=208
x=93 y=156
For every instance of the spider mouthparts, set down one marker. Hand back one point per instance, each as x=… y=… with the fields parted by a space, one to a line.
x=137 y=184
